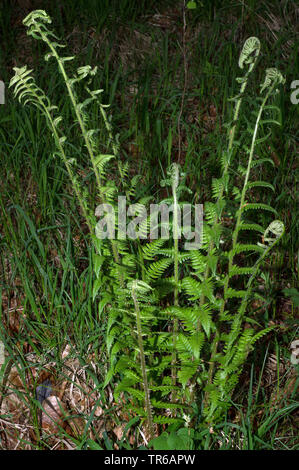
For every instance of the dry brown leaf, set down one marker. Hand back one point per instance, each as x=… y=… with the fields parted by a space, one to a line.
x=119 y=431
x=75 y=426
x=66 y=351
x=98 y=411
x=53 y=415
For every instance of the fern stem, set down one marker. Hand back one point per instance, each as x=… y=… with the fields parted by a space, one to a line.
x=238 y=318
x=69 y=170
x=81 y=124
x=232 y=132
x=75 y=106
x=242 y=201
x=242 y=308
x=143 y=364
x=175 y=180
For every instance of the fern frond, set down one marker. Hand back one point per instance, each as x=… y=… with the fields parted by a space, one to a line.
x=210 y=211
x=166 y=420
x=262 y=333
x=233 y=293
x=250 y=53
x=243 y=247
x=237 y=271
x=192 y=287
x=273 y=78
x=217 y=187
x=261 y=161
x=261 y=184
x=248 y=226
x=156 y=269
x=258 y=206
x=152 y=249
x=198 y=261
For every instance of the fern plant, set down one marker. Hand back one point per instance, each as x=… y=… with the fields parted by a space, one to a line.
x=175 y=330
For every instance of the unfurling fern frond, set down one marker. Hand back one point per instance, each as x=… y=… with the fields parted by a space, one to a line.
x=273 y=78
x=250 y=53
x=273 y=233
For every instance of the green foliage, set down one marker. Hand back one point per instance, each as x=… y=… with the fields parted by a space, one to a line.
x=174 y=320
x=293 y=293
x=174 y=440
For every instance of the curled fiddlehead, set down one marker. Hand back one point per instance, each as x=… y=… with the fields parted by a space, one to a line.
x=250 y=53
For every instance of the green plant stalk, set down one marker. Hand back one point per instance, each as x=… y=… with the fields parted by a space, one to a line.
x=235 y=119
x=234 y=240
x=143 y=365
x=232 y=132
x=115 y=145
x=39 y=103
x=176 y=270
x=74 y=104
x=243 y=195
x=141 y=258
x=81 y=124
x=217 y=217
x=242 y=309
x=69 y=170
